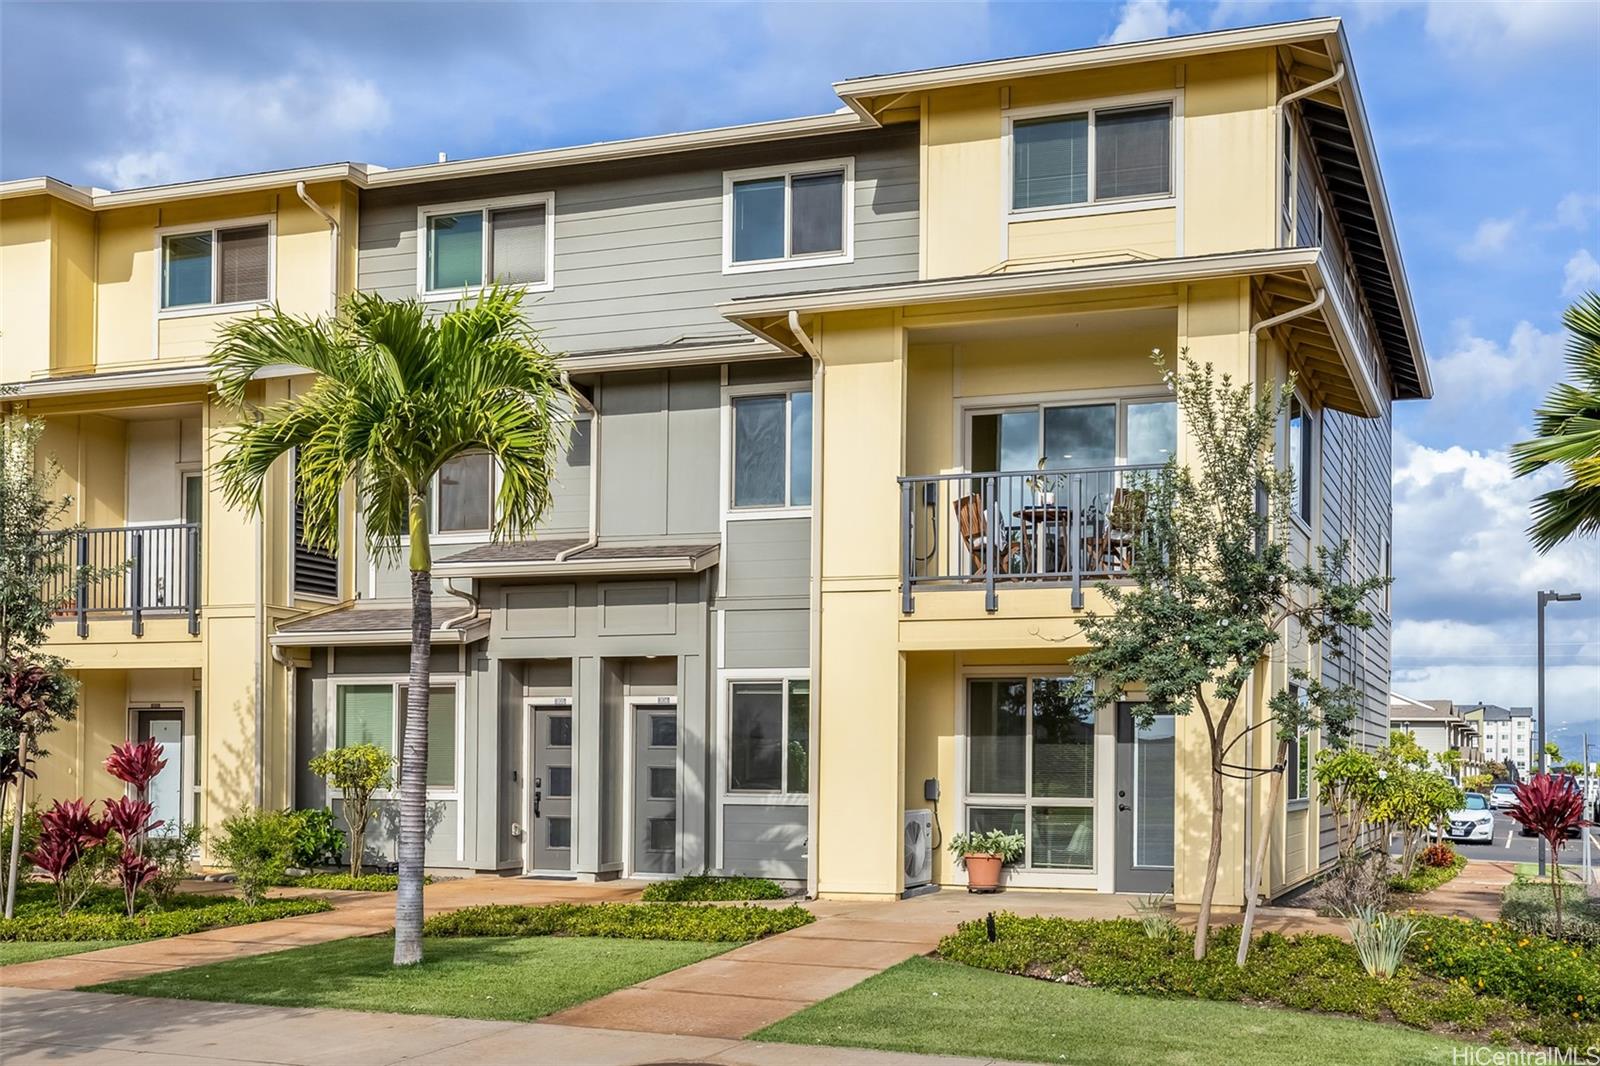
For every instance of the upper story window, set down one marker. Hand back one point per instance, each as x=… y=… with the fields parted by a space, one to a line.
x=463 y=494
x=1067 y=435
x=1063 y=160
x=799 y=215
x=464 y=246
x=771 y=450
x=216 y=266
x=1302 y=437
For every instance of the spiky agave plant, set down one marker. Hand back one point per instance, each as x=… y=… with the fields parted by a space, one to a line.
x=1380 y=940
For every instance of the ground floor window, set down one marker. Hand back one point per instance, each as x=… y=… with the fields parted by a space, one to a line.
x=1030 y=766
x=769 y=735
x=373 y=712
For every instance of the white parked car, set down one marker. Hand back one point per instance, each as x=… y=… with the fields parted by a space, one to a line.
x=1502 y=796
x=1473 y=823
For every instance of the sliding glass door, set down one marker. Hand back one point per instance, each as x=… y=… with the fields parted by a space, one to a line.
x=1030 y=767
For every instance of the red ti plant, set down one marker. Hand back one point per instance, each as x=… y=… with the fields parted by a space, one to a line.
x=66 y=831
x=131 y=819
x=137 y=764
x=1550 y=807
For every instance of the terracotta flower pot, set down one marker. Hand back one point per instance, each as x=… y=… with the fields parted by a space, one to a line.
x=983 y=873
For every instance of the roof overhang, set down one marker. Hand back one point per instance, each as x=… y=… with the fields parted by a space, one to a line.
x=130 y=380
x=473 y=630
x=688 y=563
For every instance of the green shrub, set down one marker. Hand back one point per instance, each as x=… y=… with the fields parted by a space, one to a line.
x=634 y=921
x=1426 y=878
x=346 y=883
x=171 y=855
x=357 y=772
x=150 y=925
x=1526 y=907
x=30 y=840
x=1312 y=972
x=318 y=841
x=257 y=846
x=701 y=888
x=1546 y=975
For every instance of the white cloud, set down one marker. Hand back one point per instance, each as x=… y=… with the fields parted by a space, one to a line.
x=211 y=123
x=1490 y=238
x=1479 y=377
x=1582 y=272
x=1574 y=209
x=1142 y=20
x=1505 y=29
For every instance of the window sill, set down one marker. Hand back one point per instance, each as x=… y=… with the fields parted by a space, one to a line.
x=1293 y=805
x=202 y=310
x=763 y=265
x=767 y=799
x=743 y=514
x=457 y=295
x=1105 y=207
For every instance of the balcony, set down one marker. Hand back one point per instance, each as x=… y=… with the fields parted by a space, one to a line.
x=1052 y=527
x=136 y=572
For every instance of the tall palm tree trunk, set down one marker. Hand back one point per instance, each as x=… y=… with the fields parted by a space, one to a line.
x=414 y=749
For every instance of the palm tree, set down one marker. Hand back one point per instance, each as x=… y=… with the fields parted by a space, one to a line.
x=399 y=392
x=1569 y=434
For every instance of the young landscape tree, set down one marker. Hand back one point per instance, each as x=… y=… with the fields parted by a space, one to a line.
x=357 y=771
x=399 y=392
x=1569 y=436
x=37 y=572
x=1550 y=807
x=1215 y=586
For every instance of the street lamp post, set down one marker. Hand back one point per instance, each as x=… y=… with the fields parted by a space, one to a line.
x=1544 y=758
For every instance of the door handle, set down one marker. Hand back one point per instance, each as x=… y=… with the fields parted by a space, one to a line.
x=1123 y=807
x=538 y=794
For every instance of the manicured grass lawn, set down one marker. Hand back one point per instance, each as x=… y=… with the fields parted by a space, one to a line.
x=1569 y=869
x=24 y=951
x=504 y=978
x=930 y=1007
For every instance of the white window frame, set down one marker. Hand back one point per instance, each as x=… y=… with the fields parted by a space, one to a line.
x=396 y=682
x=1313 y=450
x=463 y=536
x=789 y=172
x=730 y=513
x=1100 y=873
x=485 y=206
x=1089 y=108
x=726 y=793
x=213 y=228
x=1122 y=398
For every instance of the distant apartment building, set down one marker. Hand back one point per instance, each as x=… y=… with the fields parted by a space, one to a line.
x=1438 y=726
x=865 y=391
x=1507 y=735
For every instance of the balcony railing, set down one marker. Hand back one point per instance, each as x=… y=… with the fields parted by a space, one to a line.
x=134 y=571
x=1039 y=527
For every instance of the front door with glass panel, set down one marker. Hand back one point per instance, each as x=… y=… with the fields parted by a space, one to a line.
x=550 y=825
x=1030 y=768
x=655 y=789
x=1145 y=810
x=165 y=727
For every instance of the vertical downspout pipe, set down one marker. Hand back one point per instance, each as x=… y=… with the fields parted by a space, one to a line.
x=289 y=700
x=333 y=244
x=814 y=662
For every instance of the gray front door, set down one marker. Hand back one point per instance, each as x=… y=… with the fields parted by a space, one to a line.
x=1145 y=765
x=166 y=791
x=655 y=789
x=550 y=831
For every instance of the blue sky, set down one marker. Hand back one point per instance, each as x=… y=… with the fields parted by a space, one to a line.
x=1486 y=117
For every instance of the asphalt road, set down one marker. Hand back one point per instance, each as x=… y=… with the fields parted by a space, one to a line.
x=1509 y=845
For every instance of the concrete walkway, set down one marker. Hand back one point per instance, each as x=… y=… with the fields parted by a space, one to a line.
x=1473 y=893
x=72 y=1027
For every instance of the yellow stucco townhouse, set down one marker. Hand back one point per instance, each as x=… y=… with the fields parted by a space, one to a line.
x=809 y=598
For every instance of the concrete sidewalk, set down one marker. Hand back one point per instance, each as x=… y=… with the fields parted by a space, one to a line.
x=55 y=1027
x=1473 y=893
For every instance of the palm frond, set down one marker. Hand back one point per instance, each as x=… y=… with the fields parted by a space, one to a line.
x=248 y=345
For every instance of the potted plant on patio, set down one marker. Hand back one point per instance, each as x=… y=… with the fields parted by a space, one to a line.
x=983 y=854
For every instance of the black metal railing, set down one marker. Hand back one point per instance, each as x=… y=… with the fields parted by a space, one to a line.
x=1041 y=527
x=133 y=571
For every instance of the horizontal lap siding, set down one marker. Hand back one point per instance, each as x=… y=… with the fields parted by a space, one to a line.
x=764 y=841
x=638 y=246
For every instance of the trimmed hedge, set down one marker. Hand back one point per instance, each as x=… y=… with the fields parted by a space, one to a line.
x=347 y=883
x=634 y=921
x=153 y=924
x=702 y=888
x=1527 y=908
x=1312 y=972
x=1427 y=878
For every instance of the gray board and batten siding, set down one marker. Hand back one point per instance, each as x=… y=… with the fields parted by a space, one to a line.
x=638 y=251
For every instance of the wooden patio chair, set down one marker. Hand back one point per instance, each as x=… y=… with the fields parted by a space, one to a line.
x=972 y=522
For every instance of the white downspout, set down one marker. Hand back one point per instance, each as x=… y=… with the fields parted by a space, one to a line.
x=1277 y=126
x=814 y=661
x=594 y=474
x=1249 y=784
x=289 y=704
x=333 y=243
